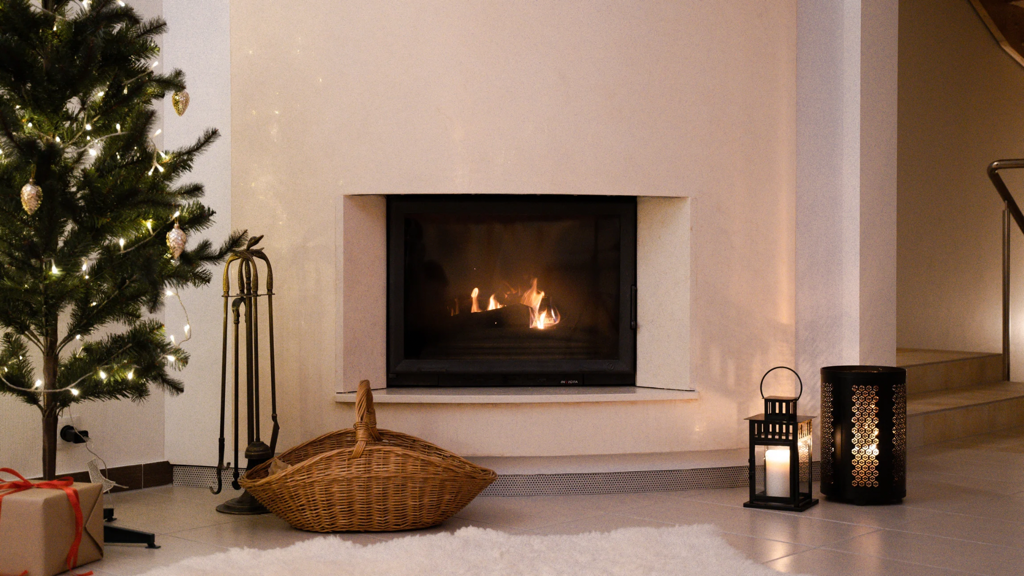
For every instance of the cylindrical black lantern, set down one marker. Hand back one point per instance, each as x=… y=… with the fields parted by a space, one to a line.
x=780 y=454
x=864 y=434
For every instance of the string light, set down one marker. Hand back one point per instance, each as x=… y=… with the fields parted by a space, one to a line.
x=103 y=375
x=158 y=132
x=53 y=269
x=74 y=392
x=172 y=340
x=88 y=127
x=39 y=383
x=120 y=241
x=78 y=336
x=131 y=374
x=171 y=358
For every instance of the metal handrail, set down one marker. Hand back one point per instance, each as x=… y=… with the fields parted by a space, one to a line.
x=1010 y=210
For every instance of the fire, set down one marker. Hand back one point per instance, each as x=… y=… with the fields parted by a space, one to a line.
x=533 y=299
x=539 y=319
x=493 y=304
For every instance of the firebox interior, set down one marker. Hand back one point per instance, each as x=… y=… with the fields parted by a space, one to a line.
x=506 y=291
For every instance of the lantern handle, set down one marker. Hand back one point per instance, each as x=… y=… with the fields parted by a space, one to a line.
x=798 y=379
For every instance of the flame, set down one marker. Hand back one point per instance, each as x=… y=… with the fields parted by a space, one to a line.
x=532 y=298
x=492 y=304
x=476 y=304
x=538 y=319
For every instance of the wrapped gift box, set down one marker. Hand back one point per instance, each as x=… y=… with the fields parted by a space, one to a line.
x=37 y=528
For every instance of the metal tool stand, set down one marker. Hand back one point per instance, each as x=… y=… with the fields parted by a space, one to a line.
x=244 y=305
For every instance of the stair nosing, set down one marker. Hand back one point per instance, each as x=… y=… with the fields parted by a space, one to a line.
x=981 y=356
x=910 y=398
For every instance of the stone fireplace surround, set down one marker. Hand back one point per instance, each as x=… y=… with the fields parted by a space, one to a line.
x=466 y=420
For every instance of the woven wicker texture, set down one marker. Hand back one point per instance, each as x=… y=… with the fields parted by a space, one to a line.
x=367 y=480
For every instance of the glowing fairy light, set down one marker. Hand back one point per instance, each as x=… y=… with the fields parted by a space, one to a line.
x=131 y=374
x=103 y=375
x=172 y=358
x=120 y=242
x=74 y=392
x=39 y=384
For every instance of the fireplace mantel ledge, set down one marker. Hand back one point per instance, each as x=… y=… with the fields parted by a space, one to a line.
x=525 y=395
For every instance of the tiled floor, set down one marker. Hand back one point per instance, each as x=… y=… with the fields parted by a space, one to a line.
x=964 y=514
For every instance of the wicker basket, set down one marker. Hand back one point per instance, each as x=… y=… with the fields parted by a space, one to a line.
x=368 y=480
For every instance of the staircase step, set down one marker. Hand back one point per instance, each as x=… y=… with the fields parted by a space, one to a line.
x=941 y=415
x=934 y=370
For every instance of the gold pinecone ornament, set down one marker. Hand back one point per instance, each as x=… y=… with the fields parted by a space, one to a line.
x=31 y=196
x=176 y=241
x=180 y=102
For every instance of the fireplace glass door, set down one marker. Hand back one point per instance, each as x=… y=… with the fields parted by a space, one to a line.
x=511 y=290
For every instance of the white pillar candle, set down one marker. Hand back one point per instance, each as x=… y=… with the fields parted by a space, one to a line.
x=776 y=463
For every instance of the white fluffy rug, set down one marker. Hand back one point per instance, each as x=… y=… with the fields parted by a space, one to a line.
x=682 y=550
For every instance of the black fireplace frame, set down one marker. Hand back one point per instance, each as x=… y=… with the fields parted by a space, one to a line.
x=406 y=372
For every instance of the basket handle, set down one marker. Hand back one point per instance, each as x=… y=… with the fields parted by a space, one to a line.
x=366 y=420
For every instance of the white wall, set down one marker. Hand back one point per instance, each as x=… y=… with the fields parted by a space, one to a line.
x=659 y=98
x=198 y=42
x=846 y=187
x=961 y=102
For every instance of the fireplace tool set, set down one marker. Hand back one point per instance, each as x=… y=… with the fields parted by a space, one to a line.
x=244 y=306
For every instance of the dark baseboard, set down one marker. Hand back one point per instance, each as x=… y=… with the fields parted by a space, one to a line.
x=135 y=476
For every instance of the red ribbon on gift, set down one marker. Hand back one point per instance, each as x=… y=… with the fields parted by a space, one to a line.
x=65 y=484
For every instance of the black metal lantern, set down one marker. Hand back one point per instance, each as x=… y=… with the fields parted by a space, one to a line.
x=780 y=454
x=864 y=434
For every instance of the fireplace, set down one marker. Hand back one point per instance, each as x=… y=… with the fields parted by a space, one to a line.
x=511 y=290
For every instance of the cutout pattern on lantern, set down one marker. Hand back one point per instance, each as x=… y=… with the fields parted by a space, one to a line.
x=828 y=446
x=899 y=433
x=865 y=436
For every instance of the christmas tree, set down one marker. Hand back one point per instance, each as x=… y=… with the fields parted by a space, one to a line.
x=93 y=223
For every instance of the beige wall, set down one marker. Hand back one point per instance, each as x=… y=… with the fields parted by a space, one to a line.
x=961 y=106
x=659 y=98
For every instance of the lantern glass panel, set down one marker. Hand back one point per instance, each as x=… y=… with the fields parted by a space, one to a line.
x=804 y=440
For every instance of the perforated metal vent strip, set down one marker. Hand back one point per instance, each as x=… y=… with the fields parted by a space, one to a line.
x=509 y=485
x=200 y=476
